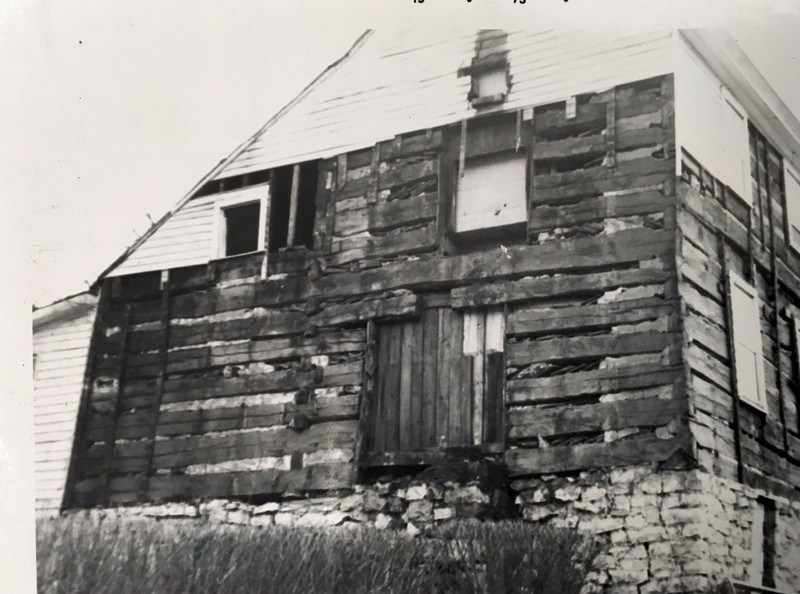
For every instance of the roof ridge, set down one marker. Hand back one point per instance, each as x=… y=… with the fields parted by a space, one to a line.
x=233 y=155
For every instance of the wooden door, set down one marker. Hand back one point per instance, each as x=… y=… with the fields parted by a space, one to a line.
x=430 y=393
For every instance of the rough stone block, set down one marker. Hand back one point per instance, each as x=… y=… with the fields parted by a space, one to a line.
x=419 y=511
x=443 y=513
x=262 y=520
x=649 y=485
x=267 y=508
x=599 y=525
x=415 y=493
x=568 y=493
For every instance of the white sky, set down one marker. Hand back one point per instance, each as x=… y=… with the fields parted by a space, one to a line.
x=110 y=111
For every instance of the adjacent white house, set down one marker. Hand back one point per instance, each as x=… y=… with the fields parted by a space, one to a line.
x=61 y=335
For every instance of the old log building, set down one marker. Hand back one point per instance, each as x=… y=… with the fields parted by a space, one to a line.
x=528 y=274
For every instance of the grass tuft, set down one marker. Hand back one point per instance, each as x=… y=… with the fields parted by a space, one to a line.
x=128 y=556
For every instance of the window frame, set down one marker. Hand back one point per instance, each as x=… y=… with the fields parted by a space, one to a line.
x=759 y=400
x=485 y=138
x=790 y=212
x=220 y=230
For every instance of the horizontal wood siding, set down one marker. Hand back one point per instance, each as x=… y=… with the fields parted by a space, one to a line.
x=60 y=348
x=594 y=358
x=222 y=384
x=736 y=440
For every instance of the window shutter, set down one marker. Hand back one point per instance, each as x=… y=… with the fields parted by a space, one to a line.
x=492 y=192
x=747 y=342
x=792 y=183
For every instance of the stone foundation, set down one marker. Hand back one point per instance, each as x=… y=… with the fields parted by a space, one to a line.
x=665 y=531
x=414 y=503
x=661 y=531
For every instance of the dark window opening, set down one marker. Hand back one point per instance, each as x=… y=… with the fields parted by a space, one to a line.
x=279 y=207
x=768 y=542
x=293 y=206
x=241 y=228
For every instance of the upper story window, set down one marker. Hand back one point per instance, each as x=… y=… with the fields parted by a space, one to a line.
x=792 y=183
x=240 y=222
x=748 y=346
x=491 y=179
x=491 y=192
x=293 y=206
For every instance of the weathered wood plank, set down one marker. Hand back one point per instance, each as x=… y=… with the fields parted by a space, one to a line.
x=211 y=449
x=545 y=218
x=321 y=477
x=416 y=356
x=444 y=358
x=635 y=450
x=407 y=361
x=385 y=307
x=570 y=147
x=181 y=452
x=551 y=287
x=430 y=372
x=494 y=401
x=355 y=216
x=543 y=320
x=533 y=421
x=137 y=393
x=398 y=242
x=600 y=381
x=368 y=397
x=625 y=246
x=206 y=420
x=556 y=349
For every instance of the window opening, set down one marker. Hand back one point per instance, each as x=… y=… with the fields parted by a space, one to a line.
x=293 y=206
x=241 y=228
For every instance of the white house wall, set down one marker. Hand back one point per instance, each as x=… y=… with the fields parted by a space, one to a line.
x=698 y=110
x=60 y=347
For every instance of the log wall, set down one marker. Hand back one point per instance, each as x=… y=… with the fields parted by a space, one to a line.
x=719 y=233
x=211 y=381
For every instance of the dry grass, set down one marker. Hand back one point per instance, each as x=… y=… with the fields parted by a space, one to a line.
x=78 y=555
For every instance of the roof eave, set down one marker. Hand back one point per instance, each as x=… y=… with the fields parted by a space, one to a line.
x=737 y=72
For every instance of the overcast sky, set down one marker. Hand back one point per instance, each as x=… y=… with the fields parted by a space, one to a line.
x=119 y=109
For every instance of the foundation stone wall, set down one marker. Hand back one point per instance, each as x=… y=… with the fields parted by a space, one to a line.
x=664 y=531
x=661 y=530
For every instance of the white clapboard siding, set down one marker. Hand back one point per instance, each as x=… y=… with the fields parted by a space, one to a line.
x=61 y=336
x=187 y=238
x=398 y=83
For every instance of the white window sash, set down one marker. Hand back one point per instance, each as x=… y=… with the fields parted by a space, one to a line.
x=218 y=239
